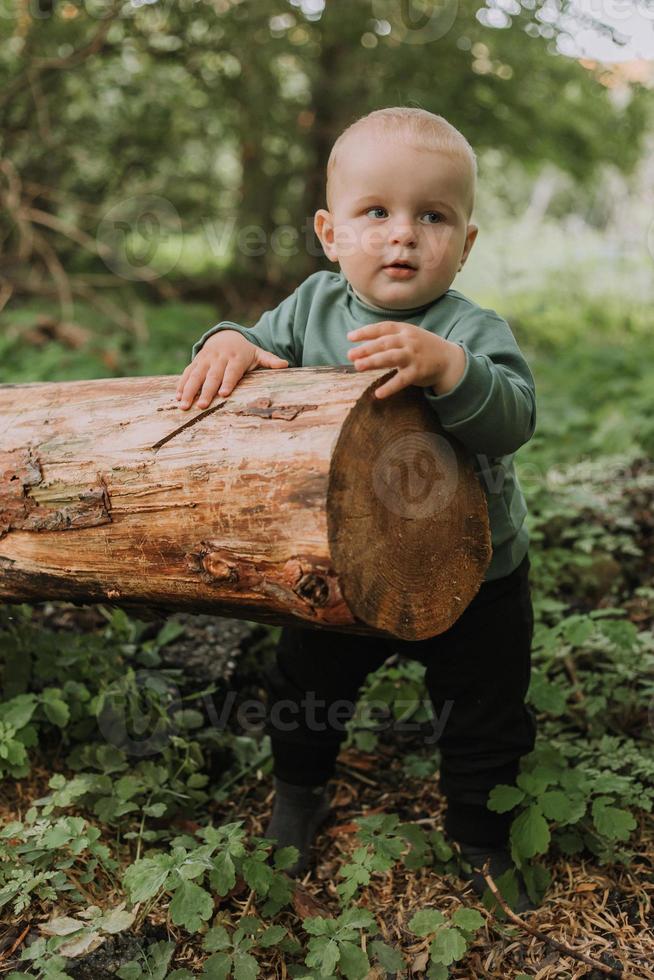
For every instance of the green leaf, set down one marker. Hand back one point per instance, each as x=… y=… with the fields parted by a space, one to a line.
x=245 y=966
x=56 y=711
x=502 y=798
x=535 y=782
x=537 y=880
x=318 y=925
x=426 y=921
x=468 y=919
x=154 y=809
x=257 y=874
x=612 y=821
x=442 y=850
x=145 y=877
x=323 y=953
x=271 y=936
x=419 y=854
x=562 y=808
x=216 y=938
x=19 y=710
x=197 y=780
x=247 y=926
x=127 y=787
x=546 y=696
x=130 y=971
x=285 y=857
x=356 y=919
x=570 y=842
x=530 y=834
x=389 y=957
x=217 y=967
x=436 y=971
x=447 y=946
x=191 y=906
x=158 y=957
x=280 y=893
x=356 y=872
x=223 y=874
x=354 y=963
x=188 y=718
x=577 y=630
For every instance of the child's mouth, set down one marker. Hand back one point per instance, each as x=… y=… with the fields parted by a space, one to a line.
x=400 y=270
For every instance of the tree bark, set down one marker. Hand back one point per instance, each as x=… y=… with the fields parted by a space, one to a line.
x=299 y=499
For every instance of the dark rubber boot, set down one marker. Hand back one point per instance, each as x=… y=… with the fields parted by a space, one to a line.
x=500 y=861
x=297 y=813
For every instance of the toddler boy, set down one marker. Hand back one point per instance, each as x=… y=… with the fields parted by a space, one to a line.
x=400 y=194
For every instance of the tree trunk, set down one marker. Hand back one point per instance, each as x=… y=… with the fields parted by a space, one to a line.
x=298 y=499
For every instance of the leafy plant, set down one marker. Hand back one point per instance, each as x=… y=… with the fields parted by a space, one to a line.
x=224 y=857
x=384 y=841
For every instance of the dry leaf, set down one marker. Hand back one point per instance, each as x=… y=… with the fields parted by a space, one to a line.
x=79 y=947
x=61 y=925
x=306 y=905
x=419 y=965
x=91 y=911
x=115 y=921
x=356 y=760
x=342 y=828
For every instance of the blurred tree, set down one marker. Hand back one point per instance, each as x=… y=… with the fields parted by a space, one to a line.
x=222 y=114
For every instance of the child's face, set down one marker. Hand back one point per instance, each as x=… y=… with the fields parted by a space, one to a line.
x=393 y=202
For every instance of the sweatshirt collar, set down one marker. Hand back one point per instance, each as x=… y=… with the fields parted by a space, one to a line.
x=363 y=307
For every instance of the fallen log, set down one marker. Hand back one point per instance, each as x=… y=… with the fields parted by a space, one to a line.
x=298 y=499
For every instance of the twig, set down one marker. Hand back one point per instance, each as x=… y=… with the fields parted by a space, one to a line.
x=248 y=903
x=357 y=775
x=39 y=65
x=16 y=943
x=56 y=270
x=562 y=948
x=81 y=889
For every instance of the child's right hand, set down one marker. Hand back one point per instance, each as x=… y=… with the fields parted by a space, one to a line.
x=224 y=359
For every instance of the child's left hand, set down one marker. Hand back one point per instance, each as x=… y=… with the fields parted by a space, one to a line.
x=422 y=358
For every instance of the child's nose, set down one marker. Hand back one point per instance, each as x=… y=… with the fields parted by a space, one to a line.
x=404 y=234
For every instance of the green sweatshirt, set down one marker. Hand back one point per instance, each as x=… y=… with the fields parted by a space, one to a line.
x=491 y=410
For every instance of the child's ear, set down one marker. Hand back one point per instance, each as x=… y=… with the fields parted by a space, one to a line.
x=323 y=225
x=471 y=235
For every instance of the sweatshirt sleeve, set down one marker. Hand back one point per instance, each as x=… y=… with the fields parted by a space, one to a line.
x=492 y=408
x=272 y=332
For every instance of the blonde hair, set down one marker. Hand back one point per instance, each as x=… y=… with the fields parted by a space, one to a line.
x=418 y=127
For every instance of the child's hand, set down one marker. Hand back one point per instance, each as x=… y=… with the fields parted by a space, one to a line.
x=224 y=359
x=422 y=358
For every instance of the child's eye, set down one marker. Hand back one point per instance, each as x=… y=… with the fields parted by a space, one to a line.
x=378 y=208
x=436 y=214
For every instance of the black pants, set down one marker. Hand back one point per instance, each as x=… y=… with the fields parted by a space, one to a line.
x=477 y=677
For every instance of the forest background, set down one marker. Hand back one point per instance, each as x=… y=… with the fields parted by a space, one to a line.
x=160 y=165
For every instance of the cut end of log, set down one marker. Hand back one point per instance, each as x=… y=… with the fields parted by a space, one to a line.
x=407 y=519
